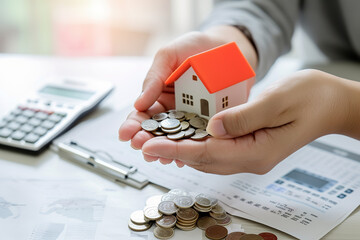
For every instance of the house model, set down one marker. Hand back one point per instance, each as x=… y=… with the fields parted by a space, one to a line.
x=211 y=81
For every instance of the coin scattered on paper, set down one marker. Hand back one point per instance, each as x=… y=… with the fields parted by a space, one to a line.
x=182 y=210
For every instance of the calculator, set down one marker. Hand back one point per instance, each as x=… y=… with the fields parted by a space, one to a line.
x=48 y=112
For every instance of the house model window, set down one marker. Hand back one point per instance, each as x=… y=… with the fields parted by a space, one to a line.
x=194 y=77
x=225 y=102
x=188 y=99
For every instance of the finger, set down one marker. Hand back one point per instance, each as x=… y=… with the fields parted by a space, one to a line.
x=140 y=138
x=162 y=67
x=165 y=161
x=149 y=158
x=132 y=124
x=179 y=163
x=265 y=112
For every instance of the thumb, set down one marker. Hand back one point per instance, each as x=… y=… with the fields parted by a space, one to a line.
x=163 y=65
x=246 y=118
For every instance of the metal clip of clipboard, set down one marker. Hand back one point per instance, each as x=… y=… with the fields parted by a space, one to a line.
x=119 y=171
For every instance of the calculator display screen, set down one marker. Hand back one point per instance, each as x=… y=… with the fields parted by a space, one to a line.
x=66 y=92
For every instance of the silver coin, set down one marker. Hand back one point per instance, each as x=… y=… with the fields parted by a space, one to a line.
x=158 y=133
x=176 y=136
x=184 y=125
x=203 y=200
x=200 y=135
x=150 y=125
x=177 y=115
x=199 y=130
x=168 y=197
x=217 y=209
x=167 y=207
x=173 y=130
x=189 y=132
x=170 y=123
x=152 y=213
x=197 y=122
x=214 y=201
x=184 y=201
x=178 y=192
x=166 y=221
x=160 y=116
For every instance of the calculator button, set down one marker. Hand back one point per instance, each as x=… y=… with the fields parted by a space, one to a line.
x=21 y=119
x=47 y=124
x=17 y=135
x=9 y=118
x=26 y=128
x=34 y=122
x=16 y=112
x=2 y=123
x=5 y=132
x=31 y=138
x=13 y=125
x=41 y=115
x=55 y=118
x=61 y=114
x=28 y=113
x=341 y=195
x=349 y=190
x=40 y=131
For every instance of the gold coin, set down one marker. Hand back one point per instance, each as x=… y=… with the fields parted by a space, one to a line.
x=185 y=228
x=205 y=222
x=220 y=216
x=163 y=233
x=216 y=232
x=225 y=221
x=152 y=213
x=198 y=122
x=139 y=228
x=138 y=217
x=187 y=214
x=189 y=116
x=184 y=125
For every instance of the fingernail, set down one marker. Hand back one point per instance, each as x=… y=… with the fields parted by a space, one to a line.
x=216 y=128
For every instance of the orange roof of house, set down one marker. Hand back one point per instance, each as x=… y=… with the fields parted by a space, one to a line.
x=217 y=68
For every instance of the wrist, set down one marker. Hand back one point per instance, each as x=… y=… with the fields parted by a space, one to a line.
x=351 y=126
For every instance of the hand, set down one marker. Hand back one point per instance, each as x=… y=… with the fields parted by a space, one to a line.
x=155 y=96
x=255 y=136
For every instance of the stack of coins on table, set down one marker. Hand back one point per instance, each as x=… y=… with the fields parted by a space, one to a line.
x=186 y=211
x=177 y=125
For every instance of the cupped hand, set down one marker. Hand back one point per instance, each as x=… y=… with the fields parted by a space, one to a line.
x=155 y=96
x=256 y=136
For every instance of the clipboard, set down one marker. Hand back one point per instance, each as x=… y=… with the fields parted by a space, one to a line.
x=93 y=145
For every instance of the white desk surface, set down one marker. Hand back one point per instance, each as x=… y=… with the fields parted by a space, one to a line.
x=20 y=74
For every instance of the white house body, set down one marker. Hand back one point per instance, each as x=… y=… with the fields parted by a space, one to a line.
x=192 y=96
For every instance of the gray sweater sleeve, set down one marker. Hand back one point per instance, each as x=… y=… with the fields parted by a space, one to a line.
x=270 y=22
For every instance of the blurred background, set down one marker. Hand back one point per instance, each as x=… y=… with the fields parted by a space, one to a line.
x=107 y=27
x=95 y=27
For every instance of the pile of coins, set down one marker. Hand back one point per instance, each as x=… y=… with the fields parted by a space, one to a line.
x=186 y=211
x=177 y=125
